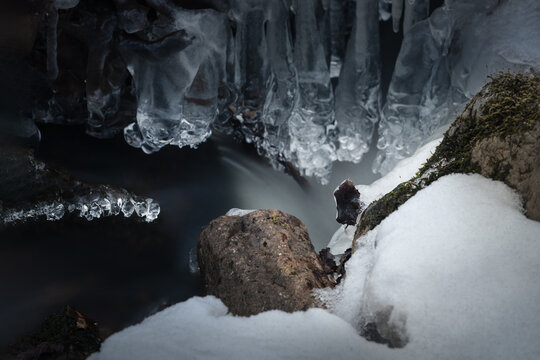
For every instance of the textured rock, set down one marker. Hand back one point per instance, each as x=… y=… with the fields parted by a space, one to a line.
x=497 y=136
x=261 y=261
x=347 y=203
x=516 y=161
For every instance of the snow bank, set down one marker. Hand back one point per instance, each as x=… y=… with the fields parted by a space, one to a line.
x=404 y=170
x=456 y=268
x=200 y=328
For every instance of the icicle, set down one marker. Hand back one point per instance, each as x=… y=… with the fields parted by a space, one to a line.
x=252 y=69
x=283 y=89
x=415 y=10
x=313 y=113
x=176 y=80
x=358 y=93
x=397 y=12
x=52 y=34
x=52 y=45
x=338 y=24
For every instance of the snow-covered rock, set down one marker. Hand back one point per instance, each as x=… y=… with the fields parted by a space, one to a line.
x=451 y=274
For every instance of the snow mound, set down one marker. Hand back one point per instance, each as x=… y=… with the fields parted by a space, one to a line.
x=200 y=328
x=455 y=270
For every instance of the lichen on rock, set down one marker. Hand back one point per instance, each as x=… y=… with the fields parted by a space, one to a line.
x=497 y=136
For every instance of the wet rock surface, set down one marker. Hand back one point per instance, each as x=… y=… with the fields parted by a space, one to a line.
x=261 y=261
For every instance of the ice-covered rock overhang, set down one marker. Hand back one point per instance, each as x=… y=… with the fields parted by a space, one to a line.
x=299 y=79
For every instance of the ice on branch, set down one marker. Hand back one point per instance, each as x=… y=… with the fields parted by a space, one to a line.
x=102 y=203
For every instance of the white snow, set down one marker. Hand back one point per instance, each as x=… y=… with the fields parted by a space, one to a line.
x=458 y=263
x=404 y=170
x=200 y=328
x=238 y=212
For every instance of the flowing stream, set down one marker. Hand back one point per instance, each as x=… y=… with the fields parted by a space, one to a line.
x=120 y=276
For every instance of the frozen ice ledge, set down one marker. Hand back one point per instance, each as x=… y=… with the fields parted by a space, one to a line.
x=30 y=190
x=298 y=79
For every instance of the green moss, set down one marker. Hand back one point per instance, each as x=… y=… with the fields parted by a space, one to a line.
x=509 y=104
x=274 y=218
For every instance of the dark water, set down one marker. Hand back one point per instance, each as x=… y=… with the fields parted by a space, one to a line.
x=119 y=274
x=114 y=274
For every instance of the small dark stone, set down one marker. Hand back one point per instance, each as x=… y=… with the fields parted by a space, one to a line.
x=340 y=269
x=371 y=333
x=328 y=260
x=347 y=203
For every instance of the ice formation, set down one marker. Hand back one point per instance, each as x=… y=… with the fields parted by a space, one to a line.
x=32 y=190
x=193 y=263
x=298 y=79
x=176 y=72
x=358 y=94
x=461 y=44
x=101 y=202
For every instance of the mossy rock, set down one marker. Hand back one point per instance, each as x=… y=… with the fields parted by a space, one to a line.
x=497 y=136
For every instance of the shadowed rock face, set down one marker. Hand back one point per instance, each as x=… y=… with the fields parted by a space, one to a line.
x=261 y=261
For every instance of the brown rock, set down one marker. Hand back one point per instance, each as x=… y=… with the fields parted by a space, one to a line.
x=516 y=161
x=261 y=261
